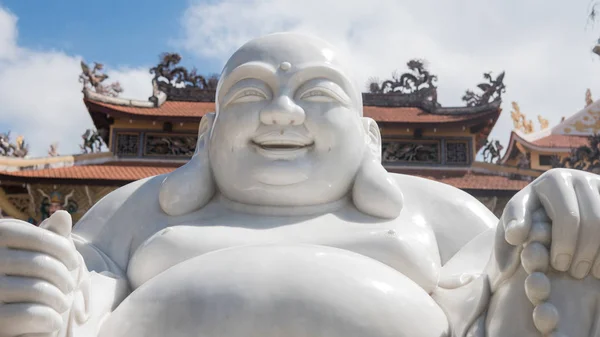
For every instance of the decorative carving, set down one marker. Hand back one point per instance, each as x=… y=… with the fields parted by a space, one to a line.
x=492 y=91
x=457 y=153
x=93 y=78
x=179 y=83
x=55 y=202
x=53 y=150
x=492 y=152
x=420 y=83
x=127 y=144
x=410 y=152
x=588 y=98
x=585 y=158
x=543 y=122
x=19 y=149
x=520 y=121
x=590 y=123
x=524 y=161
x=92 y=142
x=170 y=145
x=5 y=148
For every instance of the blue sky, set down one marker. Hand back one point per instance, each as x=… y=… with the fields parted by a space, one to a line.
x=543 y=45
x=116 y=32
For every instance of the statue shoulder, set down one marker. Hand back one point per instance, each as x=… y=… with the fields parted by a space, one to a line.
x=114 y=221
x=455 y=216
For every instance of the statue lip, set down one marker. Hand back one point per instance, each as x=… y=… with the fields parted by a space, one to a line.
x=282 y=144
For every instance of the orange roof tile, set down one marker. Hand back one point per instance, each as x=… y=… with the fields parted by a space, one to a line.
x=472 y=181
x=91 y=172
x=561 y=141
x=198 y=109
x=416 y=115
x=167 y=109
x=125 y=174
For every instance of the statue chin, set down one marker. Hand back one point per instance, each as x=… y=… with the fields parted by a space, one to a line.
x=276 y=290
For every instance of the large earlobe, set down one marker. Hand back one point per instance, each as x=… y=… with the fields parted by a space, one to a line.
x=191 y=186
x=375 y=192
x=373 y=137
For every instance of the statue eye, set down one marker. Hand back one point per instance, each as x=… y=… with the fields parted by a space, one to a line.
x=249 y=95
x=322 y=91
x=320 y=95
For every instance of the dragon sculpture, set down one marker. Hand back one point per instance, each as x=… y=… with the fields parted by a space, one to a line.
x=420 y=82
x=585 y=158
x=93 y=78
x=492 y=151
x=168 y=70
x=19 y=149
x=520 y=121
x=53 y=150
x=491 y=91
x=588 y=98
x=92 y=142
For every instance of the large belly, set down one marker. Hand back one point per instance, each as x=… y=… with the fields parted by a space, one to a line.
x=278 y=290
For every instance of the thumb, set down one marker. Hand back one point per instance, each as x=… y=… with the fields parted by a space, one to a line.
x=60 y=223
x=505 y=259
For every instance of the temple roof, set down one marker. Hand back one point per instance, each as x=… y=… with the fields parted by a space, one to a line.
x=176 y=110
x=570 y=133
x=118 y=174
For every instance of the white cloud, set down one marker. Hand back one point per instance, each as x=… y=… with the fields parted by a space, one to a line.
x=543 y=46
x=41 y=96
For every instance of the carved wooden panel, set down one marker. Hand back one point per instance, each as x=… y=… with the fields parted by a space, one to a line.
x=408 y=151
x=170 y=145
x=457 y=152
x=127 y=144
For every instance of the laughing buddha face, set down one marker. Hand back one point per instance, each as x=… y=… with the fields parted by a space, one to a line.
x=289 y=129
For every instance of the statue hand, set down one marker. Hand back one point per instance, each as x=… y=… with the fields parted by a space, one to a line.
x=571 y=201
x=39 y=271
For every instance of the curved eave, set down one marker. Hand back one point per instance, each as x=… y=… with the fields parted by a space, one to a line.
x=111 y=113
x=516 y=138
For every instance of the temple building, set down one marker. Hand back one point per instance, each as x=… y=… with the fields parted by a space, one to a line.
x=144 y=138
x=572 y=143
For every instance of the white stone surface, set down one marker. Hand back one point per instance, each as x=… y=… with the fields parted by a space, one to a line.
x=284 y=223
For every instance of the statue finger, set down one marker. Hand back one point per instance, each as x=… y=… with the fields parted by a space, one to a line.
x=535 y=258
x=19 y=236
x=517 y=216
x=557 y=195
x=29 y=290
x=36 y=265
x=60 y=223
x=588 y=197
x=541 y=231
x=28 y=318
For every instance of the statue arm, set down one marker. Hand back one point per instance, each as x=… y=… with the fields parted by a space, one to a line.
x=102 y=287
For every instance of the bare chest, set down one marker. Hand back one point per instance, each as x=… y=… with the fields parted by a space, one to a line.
x=408 y=247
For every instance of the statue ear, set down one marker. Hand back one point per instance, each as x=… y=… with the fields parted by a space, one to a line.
x=375 y=191
x=373 y=137
x=191 y=186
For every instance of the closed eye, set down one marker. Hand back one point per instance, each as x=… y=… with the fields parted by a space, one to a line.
x=323 y=91
x=249 y=95
x=247 y=91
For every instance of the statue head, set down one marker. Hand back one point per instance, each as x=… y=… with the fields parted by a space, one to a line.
x=288 y=131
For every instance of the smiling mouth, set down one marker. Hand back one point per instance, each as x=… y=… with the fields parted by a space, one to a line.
x=278 y=146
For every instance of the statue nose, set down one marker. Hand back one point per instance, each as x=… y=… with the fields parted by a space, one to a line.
x=284 y=111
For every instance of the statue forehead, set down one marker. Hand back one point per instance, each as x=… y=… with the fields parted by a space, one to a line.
x=295 y=49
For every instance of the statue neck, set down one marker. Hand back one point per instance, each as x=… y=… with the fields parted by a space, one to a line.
x=284 y=210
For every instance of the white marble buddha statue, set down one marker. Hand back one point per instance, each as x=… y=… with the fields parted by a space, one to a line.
x=285 y=223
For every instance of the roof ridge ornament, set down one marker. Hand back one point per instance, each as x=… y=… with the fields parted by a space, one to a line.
x=588 y=98
x=92 y=79
x=181 y=84
x=492 y=91
x=19 y=149
x=418 y=82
